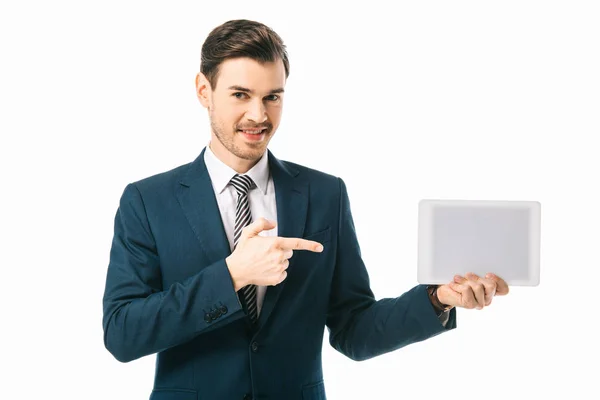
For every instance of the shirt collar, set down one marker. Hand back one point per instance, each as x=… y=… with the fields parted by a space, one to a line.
x=220 y=173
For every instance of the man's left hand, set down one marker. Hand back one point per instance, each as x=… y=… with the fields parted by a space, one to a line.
x=472 y=291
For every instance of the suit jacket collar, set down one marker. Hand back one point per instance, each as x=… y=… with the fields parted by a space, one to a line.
x=221 y=174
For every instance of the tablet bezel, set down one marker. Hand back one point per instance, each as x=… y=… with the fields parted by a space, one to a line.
x=427 y=272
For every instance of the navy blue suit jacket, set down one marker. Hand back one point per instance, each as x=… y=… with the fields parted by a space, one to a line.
x=168 y=291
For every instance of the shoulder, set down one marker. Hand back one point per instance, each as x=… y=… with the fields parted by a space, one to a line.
x=157 y=185
x=327 y=184
x=311 y=174
x=164 y=179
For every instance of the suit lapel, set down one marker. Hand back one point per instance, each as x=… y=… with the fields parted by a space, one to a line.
x=197 y=199
x=291 y=196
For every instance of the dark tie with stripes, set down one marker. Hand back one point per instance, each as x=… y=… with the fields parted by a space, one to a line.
x=242 y=185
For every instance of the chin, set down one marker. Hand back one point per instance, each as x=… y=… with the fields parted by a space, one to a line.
x=250 y=153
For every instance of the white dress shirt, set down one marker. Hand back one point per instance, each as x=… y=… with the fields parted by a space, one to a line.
x=261 y=199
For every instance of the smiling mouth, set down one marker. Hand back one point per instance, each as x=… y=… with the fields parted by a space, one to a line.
x=253 y=131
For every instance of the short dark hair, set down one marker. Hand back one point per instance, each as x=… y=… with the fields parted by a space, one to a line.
x=241 y=38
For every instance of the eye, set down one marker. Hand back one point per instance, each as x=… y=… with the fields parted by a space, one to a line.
x=240 y=95
x=272 y=97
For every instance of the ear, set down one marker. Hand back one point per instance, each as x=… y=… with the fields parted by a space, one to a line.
x=203 y=90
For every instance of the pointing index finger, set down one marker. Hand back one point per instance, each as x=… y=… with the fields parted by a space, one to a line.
x=300 y=244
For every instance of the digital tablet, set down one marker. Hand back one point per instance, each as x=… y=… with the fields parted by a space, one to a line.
x=479 y=236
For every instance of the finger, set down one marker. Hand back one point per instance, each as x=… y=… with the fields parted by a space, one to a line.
x=258 y=226
x=282 y=256
x=282 y=277
x=467 y=297
x=449 y=294
x=456 y=292
x=501 y=285
x=489 y=286
x=299 y=244
x=459 y=279
x=478 y=290
x=456 y=287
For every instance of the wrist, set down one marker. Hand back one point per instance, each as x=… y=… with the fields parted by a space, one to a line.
x=435 y=300
x=236 y=277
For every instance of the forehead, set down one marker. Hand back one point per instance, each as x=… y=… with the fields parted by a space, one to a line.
x=251 y=74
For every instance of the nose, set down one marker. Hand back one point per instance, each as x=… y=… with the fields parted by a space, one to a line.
x=257 y=112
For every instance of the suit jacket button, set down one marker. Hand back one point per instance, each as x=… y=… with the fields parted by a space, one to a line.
x=223 y=310
x=254 y=347
x=208 y=318
x=218 y=312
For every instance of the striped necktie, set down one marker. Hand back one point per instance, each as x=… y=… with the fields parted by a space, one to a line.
x=242 y=185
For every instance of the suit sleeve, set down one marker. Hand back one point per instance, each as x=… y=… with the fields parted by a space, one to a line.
x=361 y=327
x=139 y=317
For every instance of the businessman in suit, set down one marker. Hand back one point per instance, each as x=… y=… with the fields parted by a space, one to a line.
x=230 y=267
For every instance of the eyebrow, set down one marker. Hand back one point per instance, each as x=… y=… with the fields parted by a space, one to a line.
x=243 y=89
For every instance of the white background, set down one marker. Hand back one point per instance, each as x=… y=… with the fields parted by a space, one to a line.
x=429 y=99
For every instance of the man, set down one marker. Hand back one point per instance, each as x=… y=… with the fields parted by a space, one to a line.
x=231 y=266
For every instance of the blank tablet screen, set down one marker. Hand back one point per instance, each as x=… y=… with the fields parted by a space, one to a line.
x=479 y=236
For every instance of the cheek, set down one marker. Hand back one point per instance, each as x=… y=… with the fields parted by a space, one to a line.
x=275 y=115
x=228 y=119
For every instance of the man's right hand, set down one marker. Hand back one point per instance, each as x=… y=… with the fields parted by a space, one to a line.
x=263 y=261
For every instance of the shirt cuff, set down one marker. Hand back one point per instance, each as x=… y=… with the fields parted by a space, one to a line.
x=444 y=317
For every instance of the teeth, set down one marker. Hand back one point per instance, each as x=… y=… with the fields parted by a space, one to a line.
x=252 y=131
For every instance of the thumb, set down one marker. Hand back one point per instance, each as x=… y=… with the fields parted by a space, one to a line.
x=258 y=226
x=450 y=294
